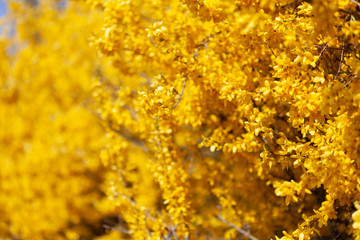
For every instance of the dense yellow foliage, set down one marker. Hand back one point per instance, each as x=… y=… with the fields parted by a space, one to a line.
x=223 y=120
x=50 y=175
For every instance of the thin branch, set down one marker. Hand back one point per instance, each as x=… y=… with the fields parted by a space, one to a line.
x=117 y=228
x=125 y=133
x=167 y=237
x=241 y=231
x=341 y=59
x=129 y=137
x=357 y=3
x=355 y=14
x=173 y=231
x=355 y=52
x=182 y=92
x=146 y=77
x=323 y=50
x=136 y=204
x=203 y=45
x=271 y=50
x=350 y=81
x=132 y=112
x=330 y=48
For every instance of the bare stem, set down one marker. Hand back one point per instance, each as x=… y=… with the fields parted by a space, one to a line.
x=341 y=59
x=117 y=228
x=323 y=50
x=129 y=137
x=351 y=80
x=136 y=204
x=357 y=3
x=182 y=92
x=272 y=51
x=241 y=231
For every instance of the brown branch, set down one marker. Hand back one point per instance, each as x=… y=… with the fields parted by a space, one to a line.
x=203 y=45
x=355 y=14
x=355 y=51
x=172 y=229
x=341 y=59
x=168 y=237
x=357 y=3
x=330 y=48
x=241 y=231
x=125 y=133
x=132 y=201
x=129 y=137
x=323 y=50
x=350 y=81
x=173 y=232
x=117 y=228
x=182 y=92
x=136 y=204
x=271 y=50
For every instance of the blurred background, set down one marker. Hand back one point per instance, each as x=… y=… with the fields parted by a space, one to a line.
x=51 y=178
x=2 y=8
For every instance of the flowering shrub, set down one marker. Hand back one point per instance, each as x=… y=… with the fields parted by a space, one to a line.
x=246 y=115
x=224 y=120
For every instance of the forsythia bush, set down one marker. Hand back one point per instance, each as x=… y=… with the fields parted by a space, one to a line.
x=50 y=175
x=224 y=120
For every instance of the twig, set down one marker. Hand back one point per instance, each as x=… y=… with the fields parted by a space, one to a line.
x=167 y=237
x=355 y=51
x=271 y=50
x=125 y=133
x=323 y=50
x=355 y=14
x=203 y=45
x=117 y=228
x=173 y=231
x=241 y=231
x=129 y=137
x=350 y=81
x=357 y=3
x=182 y=92
x=136 y=204
x=341 y=59
x=331 y=48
